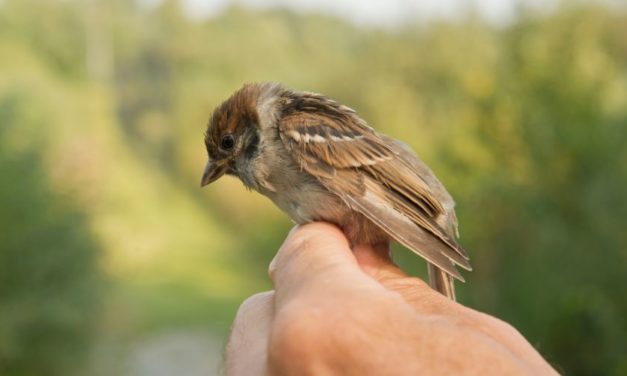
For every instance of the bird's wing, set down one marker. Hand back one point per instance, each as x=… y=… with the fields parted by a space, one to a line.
x=351 y=160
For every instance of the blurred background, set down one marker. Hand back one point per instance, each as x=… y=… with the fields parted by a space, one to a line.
x=114 y=261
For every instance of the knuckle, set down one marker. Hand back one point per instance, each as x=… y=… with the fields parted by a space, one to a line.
x=491 y=326
x=500 y=326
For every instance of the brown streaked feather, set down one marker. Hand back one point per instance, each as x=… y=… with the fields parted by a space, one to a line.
x=401 y=206
x=316 y=135
x=367 y=196
x=398 y=226
x=332 y=143
x=308 y=133
x=448 y=221
x=398 y=178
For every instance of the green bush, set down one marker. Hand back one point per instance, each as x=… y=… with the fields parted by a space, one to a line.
x=49 y=281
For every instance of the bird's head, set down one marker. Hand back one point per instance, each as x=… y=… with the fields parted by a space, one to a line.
x=233 y=134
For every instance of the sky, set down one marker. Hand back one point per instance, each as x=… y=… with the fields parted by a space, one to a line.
x=379 y=12
x=385 y=13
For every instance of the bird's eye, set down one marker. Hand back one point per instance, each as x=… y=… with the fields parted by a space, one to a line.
x=227 y=142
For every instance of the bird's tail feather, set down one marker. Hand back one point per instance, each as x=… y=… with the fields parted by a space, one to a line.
x=441 y=281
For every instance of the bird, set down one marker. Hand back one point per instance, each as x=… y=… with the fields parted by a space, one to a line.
x=317 y=160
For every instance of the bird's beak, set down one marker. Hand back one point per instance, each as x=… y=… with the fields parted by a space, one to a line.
x=212 y=172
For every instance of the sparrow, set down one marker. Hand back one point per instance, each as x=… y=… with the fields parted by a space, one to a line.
x=317 y=160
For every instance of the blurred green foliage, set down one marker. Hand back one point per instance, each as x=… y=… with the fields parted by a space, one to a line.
x=49 y=277
x=102 y=109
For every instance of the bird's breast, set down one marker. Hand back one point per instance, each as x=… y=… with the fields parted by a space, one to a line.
x=307 y=201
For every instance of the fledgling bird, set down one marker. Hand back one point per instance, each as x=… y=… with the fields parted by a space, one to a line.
x=318 y=160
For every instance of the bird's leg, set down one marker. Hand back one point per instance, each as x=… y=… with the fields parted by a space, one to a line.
x=384 y=250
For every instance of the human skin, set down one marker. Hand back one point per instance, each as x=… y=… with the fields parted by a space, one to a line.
x=337 y=311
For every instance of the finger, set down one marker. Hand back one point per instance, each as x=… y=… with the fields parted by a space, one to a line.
x=331 y=247
x=317 y=255
x=247 y=348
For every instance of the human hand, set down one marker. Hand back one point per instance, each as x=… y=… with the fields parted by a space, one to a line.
x=337 y=311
